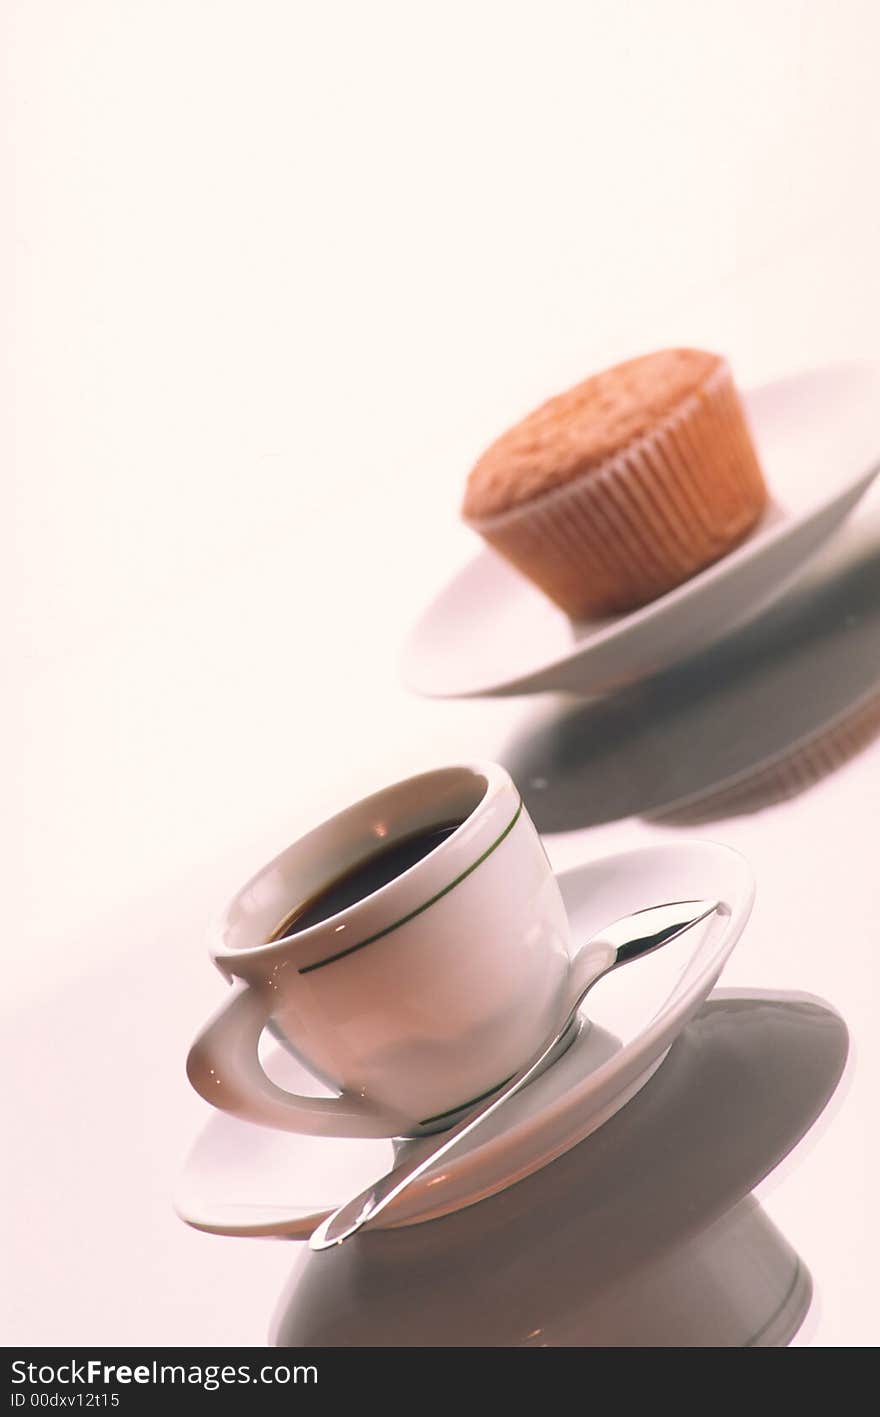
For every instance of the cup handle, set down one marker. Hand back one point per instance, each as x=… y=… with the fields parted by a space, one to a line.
x=224 y=1067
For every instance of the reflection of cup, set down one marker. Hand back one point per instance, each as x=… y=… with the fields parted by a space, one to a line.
x=644 y=1235
x=414 y=1001
x=738 y=1284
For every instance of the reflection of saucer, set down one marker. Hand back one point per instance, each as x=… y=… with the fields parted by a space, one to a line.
x=246 y=1180
x=645 y=1235
x=492 y=632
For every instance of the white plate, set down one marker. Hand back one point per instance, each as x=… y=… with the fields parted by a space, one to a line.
x=491 y=632
x=242 y=1179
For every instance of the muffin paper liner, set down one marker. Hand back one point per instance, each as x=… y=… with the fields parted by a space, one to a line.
x=671 y=502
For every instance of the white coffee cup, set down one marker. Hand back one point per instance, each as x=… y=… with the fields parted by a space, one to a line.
x=416 y=1000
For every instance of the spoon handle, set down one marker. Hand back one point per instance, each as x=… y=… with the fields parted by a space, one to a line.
x=627 y=939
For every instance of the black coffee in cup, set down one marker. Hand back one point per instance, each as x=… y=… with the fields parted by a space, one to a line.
x=361 y=880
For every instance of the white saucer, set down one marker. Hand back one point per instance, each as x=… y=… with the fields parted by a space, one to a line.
x=491 y=632
x=242 y=1179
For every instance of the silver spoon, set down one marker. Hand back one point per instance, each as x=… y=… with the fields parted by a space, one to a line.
x=627 y=939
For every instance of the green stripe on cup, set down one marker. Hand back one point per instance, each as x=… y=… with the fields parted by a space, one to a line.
x=405 y=919
x=464 y=1106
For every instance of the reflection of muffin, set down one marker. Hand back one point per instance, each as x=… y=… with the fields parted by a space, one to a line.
x=616 y=491
x=790 y=773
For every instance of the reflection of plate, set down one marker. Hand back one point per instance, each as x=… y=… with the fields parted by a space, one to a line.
x=246 y=1180
x=756 y=719
x=492 y=632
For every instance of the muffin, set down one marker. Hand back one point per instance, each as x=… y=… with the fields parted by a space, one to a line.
x=628 y=484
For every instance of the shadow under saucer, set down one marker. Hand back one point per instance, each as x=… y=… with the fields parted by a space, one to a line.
x=644 y=1235
x=754 y=720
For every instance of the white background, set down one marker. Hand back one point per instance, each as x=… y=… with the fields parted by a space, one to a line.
x=272 y=276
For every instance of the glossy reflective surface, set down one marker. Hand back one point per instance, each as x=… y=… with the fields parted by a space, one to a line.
x=644 y=1235
x=240 y=415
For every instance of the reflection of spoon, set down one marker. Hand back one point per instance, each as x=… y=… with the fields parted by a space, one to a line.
x=627 y=939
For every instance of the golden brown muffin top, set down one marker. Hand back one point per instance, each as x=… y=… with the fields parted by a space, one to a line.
x=578 y=430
